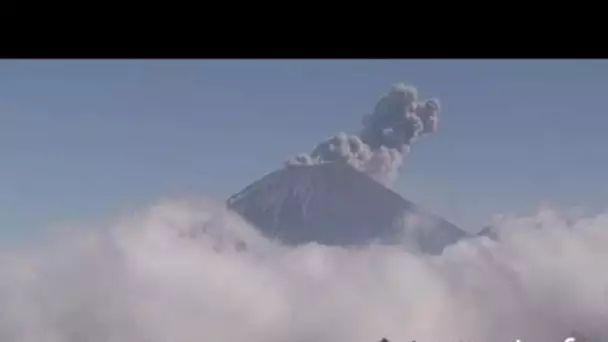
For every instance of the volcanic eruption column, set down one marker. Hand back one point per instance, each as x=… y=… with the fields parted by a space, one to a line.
x=398 y=120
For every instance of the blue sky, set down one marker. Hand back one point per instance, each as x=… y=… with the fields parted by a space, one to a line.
x=92 y=139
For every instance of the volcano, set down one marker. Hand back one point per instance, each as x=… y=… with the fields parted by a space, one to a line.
x=335 y=204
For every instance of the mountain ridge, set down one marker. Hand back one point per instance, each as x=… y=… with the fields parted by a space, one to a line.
x=335 y=204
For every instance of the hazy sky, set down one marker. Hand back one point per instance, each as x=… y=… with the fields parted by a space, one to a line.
x=88 y=140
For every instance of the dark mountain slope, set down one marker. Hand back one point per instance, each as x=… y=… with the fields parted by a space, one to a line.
x=334 y=204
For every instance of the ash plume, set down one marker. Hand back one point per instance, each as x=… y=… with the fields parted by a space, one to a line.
x=398 y=120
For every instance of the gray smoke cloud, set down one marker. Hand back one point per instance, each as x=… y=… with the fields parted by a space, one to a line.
x=398 y=120
x=186 y=271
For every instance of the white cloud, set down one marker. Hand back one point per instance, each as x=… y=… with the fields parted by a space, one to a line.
x=177 y=272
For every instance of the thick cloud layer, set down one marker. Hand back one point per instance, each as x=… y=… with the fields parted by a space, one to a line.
x=397 y=121
x=184 y=271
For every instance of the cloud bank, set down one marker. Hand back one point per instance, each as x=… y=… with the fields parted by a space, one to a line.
x=398 y=120
x=184 y=271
